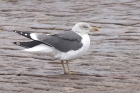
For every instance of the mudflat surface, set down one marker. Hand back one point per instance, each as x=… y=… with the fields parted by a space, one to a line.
x=112 y=64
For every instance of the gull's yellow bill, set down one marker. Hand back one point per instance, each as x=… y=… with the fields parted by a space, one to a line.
x=94 y=29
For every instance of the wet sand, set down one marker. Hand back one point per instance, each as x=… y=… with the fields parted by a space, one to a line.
x=112 y=64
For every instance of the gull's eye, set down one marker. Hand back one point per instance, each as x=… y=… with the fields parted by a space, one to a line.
x=85 y=27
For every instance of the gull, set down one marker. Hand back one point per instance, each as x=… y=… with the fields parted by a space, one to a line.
x=65 y=45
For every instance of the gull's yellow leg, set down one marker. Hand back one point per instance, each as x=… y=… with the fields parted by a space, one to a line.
x=63 y=66
x=67 y=63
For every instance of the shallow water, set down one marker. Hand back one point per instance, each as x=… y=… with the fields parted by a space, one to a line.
x=110 y=66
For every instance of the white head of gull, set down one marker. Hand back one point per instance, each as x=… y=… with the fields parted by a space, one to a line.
x=83 y=27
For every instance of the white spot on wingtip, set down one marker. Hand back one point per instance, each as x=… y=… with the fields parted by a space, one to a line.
x=20 y=32
x=15 y=31
x=33 y=36
x=25 y=34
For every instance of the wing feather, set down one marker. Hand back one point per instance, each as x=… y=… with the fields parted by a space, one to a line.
x=64 y=41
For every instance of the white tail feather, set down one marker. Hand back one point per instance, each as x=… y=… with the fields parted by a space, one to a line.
x=41 y=48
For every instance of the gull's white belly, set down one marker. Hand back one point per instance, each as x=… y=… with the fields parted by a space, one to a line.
x=73 y=54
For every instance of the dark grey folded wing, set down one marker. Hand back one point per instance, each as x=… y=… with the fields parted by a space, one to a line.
x=69 y=35
x=64 y=41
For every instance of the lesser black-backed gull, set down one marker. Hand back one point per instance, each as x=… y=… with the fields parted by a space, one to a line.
x=65 y=46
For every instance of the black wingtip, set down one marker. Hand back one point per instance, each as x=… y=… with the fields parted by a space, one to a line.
x=17 y=43
x=14 y=43
x=15 y=31
x=26 y=34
